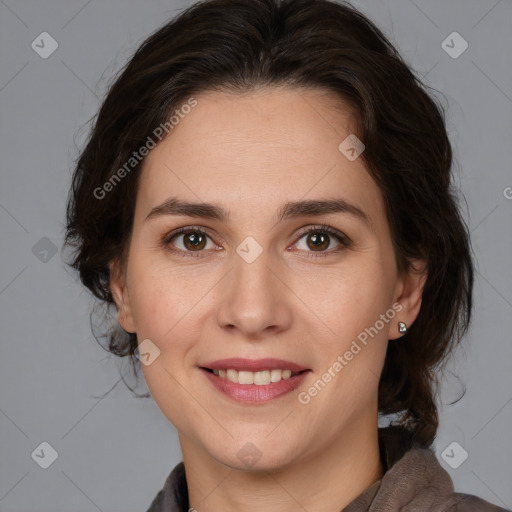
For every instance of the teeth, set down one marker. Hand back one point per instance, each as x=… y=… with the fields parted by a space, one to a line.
x=275 y=375
x=262 y=378
x=232 y=375
x=243 y=377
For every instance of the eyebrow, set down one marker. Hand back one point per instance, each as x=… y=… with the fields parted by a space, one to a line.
x=290 y=210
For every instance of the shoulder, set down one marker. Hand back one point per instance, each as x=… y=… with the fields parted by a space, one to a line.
x=414 y=478
x=173 y=497
x=157 y=503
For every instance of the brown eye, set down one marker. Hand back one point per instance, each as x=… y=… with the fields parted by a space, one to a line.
x=319 y=238
x=194 y=240
x=187 y=241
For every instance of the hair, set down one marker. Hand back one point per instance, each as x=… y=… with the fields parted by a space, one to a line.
x=238 y=46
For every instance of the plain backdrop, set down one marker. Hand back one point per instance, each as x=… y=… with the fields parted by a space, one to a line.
x=113 y=454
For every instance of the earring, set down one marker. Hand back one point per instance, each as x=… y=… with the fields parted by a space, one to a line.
x=402 y=327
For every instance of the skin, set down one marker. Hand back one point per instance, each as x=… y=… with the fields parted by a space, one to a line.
x=250 y=154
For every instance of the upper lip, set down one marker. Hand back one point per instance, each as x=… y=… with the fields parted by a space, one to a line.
x=253 y=365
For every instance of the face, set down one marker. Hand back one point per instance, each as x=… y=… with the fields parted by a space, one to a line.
x=292 y=261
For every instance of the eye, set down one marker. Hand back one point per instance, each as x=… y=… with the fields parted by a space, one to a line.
x=194 y=240
x=319 y=238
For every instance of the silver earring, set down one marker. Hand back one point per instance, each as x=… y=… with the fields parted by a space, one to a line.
x=402 y=327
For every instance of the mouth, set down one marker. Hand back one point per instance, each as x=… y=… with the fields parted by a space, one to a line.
x=259 y=378
x=253 y=382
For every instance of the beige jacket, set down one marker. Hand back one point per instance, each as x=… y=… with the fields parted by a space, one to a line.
x=414 y=481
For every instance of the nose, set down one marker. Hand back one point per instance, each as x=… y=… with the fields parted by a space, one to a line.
x=256 y=301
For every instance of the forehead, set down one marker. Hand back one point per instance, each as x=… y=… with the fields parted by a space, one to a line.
x=263 y=147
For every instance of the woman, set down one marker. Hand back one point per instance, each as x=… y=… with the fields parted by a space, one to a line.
x=266 y=199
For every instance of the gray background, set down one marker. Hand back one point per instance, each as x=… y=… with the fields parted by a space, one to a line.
x=115 y=453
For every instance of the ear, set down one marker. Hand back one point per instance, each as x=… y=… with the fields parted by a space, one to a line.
x=119 y=291
x=408 y=293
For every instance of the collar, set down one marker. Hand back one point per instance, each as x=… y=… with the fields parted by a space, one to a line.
x=413 y=478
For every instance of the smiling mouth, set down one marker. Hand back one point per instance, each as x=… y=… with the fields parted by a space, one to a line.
x=260 y=378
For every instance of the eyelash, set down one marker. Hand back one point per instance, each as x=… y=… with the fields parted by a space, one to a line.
x=342 y=239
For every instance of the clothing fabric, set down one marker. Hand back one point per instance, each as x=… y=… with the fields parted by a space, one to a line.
x=413 y=481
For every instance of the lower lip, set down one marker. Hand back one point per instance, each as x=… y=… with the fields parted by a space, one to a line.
x=252 y=393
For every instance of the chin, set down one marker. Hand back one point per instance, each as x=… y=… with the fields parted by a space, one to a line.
x=255 y=456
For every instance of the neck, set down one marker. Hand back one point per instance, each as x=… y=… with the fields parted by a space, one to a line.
x=328 y=480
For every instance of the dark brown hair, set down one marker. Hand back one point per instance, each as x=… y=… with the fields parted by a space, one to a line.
x=237 y=45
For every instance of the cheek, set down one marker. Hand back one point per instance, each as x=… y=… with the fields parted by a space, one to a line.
x=348 y=298
x=164 y=312
x=350 y=301
x=352 y=352
x=161 y=295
